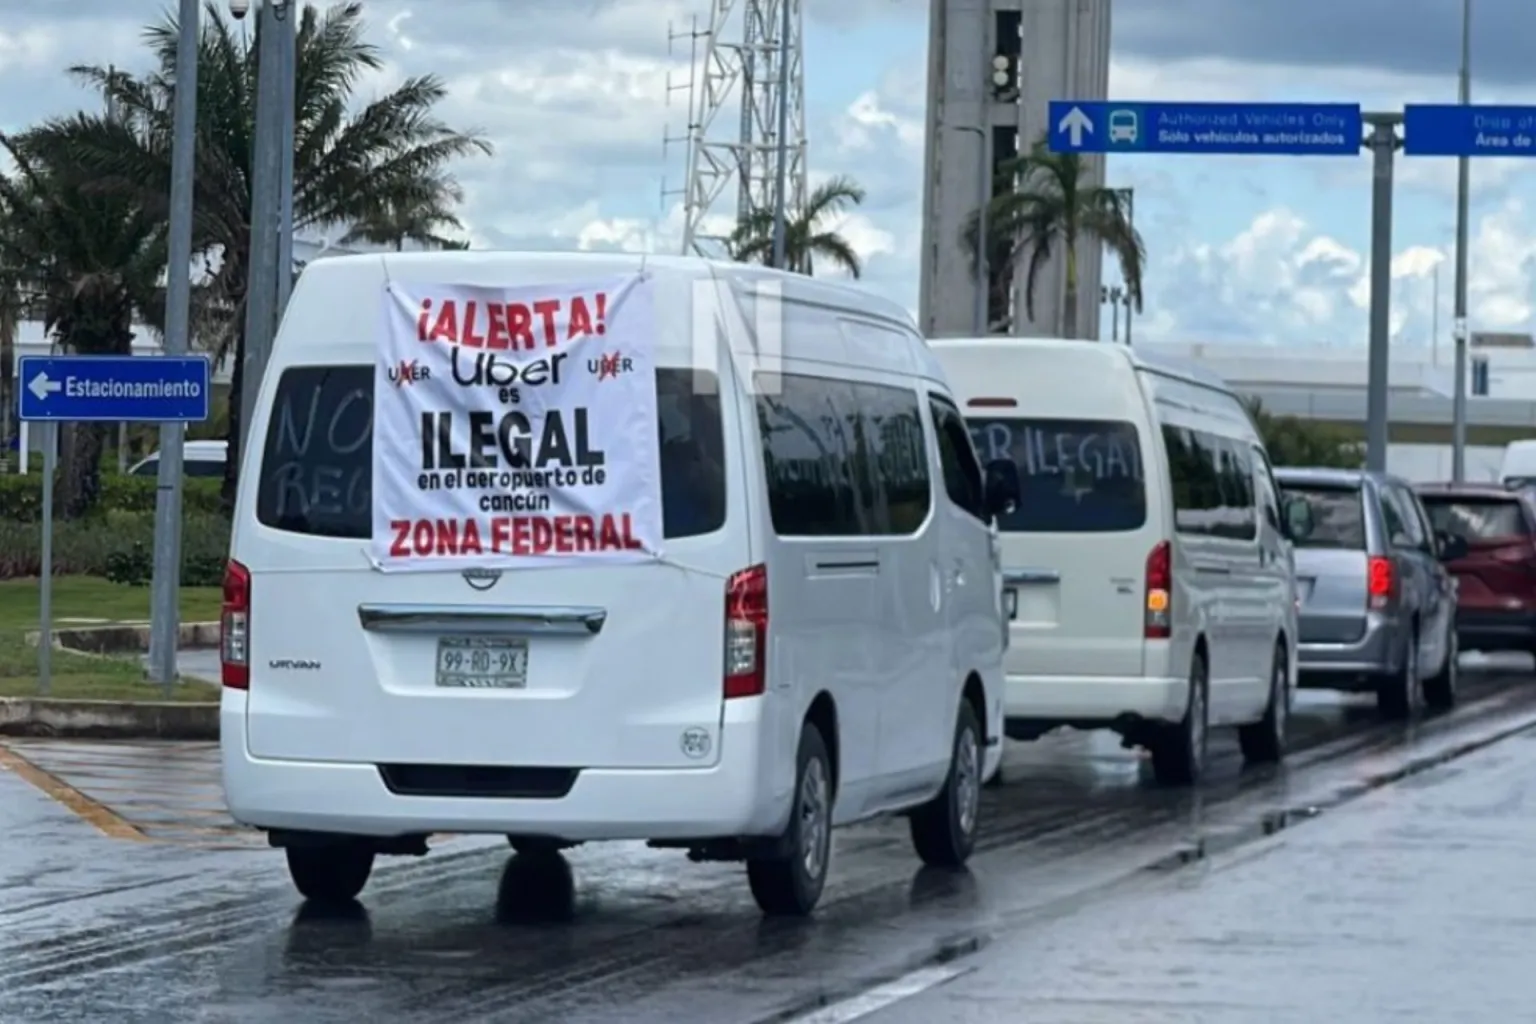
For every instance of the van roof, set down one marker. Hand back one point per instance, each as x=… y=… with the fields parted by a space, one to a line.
x=363 y=270
x=1086 y=351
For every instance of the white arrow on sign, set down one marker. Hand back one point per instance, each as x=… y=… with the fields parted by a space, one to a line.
x=1075 y=124
x=42 y=387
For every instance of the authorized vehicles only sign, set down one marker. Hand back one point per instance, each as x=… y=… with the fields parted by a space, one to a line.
x=516 y=426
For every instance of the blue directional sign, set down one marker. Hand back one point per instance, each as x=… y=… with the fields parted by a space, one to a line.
x=1454 y=130
x=112 y=389
x=1275 y=129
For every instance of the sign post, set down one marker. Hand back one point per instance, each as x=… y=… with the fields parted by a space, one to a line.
x=101 y=389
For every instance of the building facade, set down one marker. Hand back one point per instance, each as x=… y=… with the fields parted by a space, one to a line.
x=993 y=68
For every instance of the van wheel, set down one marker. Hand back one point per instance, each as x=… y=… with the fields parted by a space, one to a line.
x=1263 y=742
x=1396 y=692
x=788 y=883
x=330 y=874
x=1178 y=751
x=1440 y=689
x=944 y=829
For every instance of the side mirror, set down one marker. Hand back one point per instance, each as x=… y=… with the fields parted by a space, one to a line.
x=1450 y=546
x=1298 y=519
x=1002 y=487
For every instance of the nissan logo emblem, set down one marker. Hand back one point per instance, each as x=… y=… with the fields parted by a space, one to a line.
x=482 y=579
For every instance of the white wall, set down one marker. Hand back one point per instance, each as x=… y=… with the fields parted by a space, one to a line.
x=1430 y=463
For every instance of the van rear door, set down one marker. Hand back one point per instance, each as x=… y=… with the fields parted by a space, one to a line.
x=613 y=666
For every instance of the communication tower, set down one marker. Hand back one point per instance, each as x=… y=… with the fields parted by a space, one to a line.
x=737 y=74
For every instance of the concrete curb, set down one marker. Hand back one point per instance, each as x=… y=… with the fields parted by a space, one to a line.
x=108 y=719
x=57 y=718
x=125 y=637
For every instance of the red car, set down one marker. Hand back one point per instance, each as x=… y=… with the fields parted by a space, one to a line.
x=1496 y=577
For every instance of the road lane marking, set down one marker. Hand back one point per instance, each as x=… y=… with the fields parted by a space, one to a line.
x=91 y=811
x=878 y=998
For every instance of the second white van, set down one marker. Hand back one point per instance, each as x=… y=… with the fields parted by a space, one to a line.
x=1148 y=576
x=818 y=641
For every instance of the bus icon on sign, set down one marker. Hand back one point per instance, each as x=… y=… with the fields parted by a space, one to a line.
x=1123 y=126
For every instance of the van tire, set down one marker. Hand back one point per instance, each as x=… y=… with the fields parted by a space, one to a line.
x=944 y=828
x=1264 y=741
x=1396 y=691
x=1440 y=689
x=1179 y=750
x=331 y=875
x=783 y=883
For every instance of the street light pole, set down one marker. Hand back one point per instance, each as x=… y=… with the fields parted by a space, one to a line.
x=1383 y=143
x=1460 y=327
x=261 y=275
x=166 y=580
x=287 y=87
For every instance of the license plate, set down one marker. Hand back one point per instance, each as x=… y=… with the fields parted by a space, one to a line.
x=1011 y=602
x=482 y=663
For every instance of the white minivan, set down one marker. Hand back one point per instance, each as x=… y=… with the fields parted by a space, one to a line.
x=1148 y=574
x=821 y=640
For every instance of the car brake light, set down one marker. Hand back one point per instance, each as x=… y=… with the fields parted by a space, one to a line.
x=1159 y=620
x=235 y=628
x=746 y=632
x=1381 y=581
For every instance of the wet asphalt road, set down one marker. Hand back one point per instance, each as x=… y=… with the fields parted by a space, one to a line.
x=94 y=928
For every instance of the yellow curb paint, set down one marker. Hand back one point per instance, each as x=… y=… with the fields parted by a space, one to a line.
x=56 y=789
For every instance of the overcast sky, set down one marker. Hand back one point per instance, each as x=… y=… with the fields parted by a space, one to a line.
x=574 y=95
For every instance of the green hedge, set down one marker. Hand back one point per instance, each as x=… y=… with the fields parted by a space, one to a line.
x=117 y=545
x=21 y=497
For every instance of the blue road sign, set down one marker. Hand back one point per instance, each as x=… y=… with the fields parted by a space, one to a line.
x=111 y=389
x=1275 y=129
x=1453 y=130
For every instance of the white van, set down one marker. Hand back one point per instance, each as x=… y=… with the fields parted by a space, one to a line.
x=820 y=642
x=1148 y=574
x=203 y=459
x=1518 y=468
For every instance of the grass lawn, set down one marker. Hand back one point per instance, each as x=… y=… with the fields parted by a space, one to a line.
x=78 y=676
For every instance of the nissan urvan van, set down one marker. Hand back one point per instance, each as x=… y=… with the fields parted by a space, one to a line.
x=815 y=636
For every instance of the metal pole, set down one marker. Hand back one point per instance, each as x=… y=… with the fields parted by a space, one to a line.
x=288 y=87
x=164 y=627
x=266 y=182
x=1383 y=142
x=1463 y=188
x=780 y=199
x=50 y=432
x=1434 y=323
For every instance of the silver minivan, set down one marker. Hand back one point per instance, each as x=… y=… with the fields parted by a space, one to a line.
x=1378 y=608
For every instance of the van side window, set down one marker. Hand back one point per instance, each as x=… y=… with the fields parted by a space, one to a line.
x=1239 y=512
x=963 y=479
x=1213 y=491
x=1268 y=490
x=807 y=455
x=896 y=491
x=316 y=473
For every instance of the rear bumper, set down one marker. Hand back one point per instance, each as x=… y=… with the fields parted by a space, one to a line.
x=739 y=796
x=1035 y=704
x=1495 y=630
x=1378 y=651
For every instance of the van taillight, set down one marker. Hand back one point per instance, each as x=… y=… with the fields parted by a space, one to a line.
x=746 y=632
x=1159 y=619
x=1381 y=582
x=235 y=627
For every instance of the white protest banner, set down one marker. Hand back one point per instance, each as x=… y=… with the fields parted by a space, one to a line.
x=516 y=427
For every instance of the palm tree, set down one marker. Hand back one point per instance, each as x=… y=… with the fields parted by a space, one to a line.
x=351 y=166
x=395 y=224
x=93 y=261
x=806 y=235
x=1045 y=204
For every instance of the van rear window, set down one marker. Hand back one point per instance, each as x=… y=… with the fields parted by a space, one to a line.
x=1338 y=515
x=1078 y=476
x=1477 y=518
x=316 y=473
